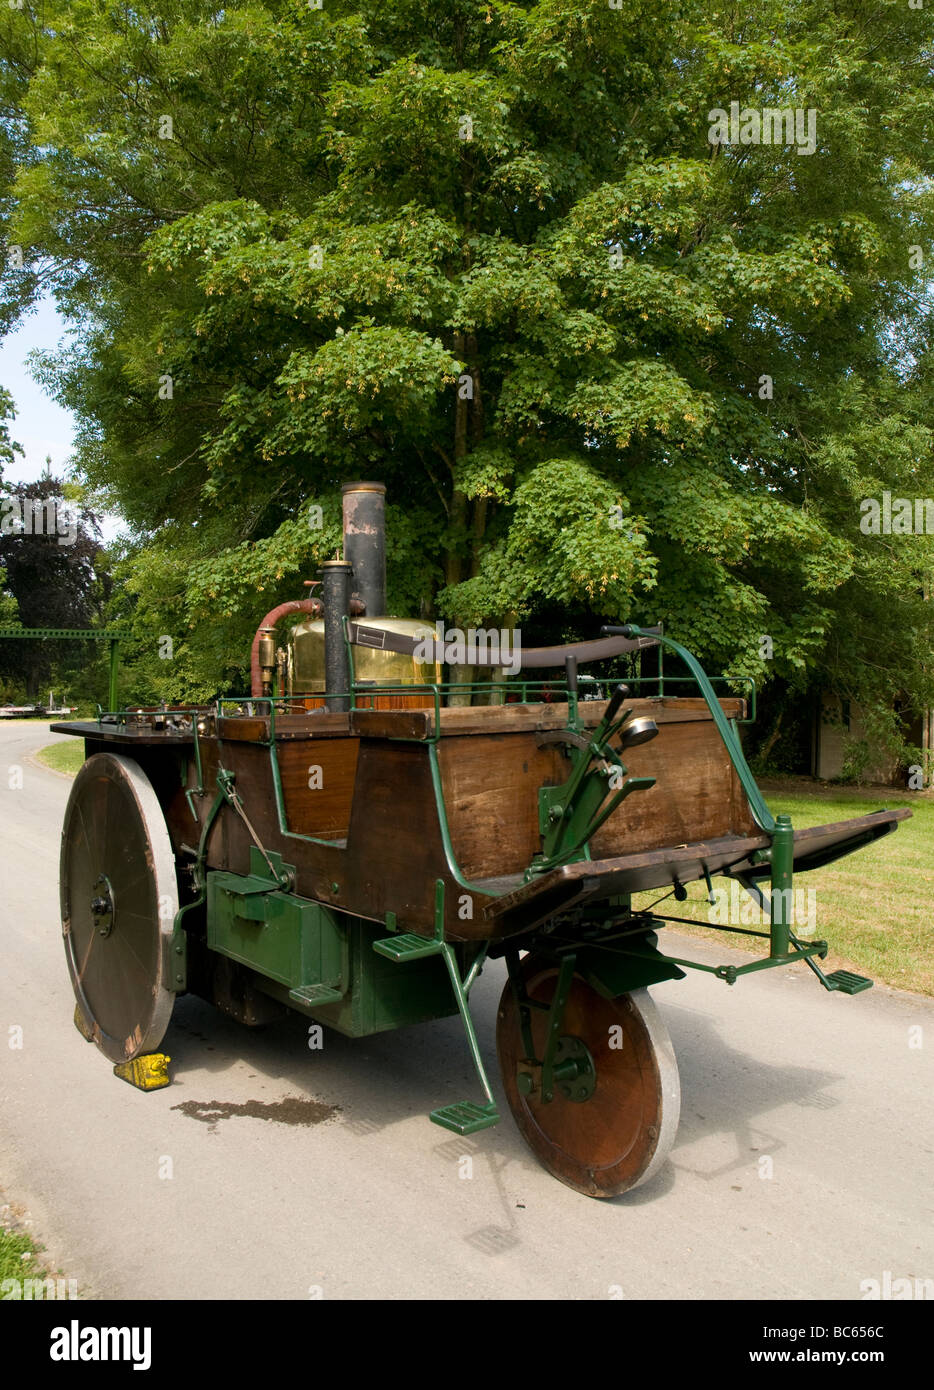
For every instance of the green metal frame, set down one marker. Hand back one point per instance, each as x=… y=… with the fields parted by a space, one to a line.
x=87 y=634
x=781 y=852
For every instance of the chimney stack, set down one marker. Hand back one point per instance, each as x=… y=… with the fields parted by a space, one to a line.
x=364 y=513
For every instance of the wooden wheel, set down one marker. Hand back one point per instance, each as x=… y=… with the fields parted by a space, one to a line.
x=119 y=897
x=613 y=1131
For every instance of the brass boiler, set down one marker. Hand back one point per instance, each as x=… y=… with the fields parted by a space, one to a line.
x=305 y=668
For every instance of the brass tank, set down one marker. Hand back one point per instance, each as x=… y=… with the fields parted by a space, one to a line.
x=371 y=666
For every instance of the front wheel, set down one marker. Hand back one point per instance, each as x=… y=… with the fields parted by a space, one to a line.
x=614 y=1129
x=119 y=896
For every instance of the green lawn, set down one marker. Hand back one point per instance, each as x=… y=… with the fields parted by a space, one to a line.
x=874 y=906
x=66 y=756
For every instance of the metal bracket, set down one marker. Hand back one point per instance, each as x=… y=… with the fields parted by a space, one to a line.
x=225 y=783
x=563 y=1062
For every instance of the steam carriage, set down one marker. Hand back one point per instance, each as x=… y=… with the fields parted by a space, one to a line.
x=354 y=842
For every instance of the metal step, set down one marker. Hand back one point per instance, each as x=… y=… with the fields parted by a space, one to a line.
x=406 y=947
x=315 y=994
x=465 y=1117
x=846 y=982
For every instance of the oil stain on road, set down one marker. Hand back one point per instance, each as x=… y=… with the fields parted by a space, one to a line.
x=293 y=1110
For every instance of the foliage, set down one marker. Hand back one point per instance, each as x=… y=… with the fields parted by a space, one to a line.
x=55 y=572
x=486 y=252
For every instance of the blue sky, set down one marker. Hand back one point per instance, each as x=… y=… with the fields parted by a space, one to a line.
x=41 y=425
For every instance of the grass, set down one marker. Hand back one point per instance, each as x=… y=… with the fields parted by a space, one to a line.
x=873 y=906
x=23 y=1262
x=66 y=756
x=18 y=1257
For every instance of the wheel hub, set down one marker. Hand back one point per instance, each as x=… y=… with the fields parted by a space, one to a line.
x=102 y=906
x=574 y=1071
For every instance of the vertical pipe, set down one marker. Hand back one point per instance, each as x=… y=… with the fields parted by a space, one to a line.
x=364 y=514
x=781 y=898
x=112 y=697
x=570 y=675
x=335 y=593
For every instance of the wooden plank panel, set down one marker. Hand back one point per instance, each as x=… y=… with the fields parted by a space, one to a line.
x=394 y=850
x=319 y=810
x=692 y=799
x=491 y=793
x=381 y=723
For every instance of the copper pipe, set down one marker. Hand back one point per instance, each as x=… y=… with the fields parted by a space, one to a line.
x=298 y=605
x=312 y=606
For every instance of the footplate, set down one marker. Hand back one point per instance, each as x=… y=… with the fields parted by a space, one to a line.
x=406 y=947
x=315 y=995
x=846 y=982
x=465 y=1117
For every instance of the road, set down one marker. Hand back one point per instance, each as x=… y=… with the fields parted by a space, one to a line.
x=803 y=1165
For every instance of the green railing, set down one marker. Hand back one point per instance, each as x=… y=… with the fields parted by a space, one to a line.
x=362 y=694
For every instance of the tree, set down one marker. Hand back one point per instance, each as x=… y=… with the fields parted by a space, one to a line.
x=55 y=572
x=9 y=614
x=490 y=253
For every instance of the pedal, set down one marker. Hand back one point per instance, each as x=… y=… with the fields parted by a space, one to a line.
x=846 y=982
x=465 y=1117
x=313 y=995
x=406 y=947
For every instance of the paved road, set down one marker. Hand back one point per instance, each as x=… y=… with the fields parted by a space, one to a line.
x=360 y=1197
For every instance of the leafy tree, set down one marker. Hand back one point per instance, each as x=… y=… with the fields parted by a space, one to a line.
x=487 y=252
x=8 y=610
x=55 y=572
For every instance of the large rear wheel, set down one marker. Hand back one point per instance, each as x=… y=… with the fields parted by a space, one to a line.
x=612 y=1127
x=119 y=897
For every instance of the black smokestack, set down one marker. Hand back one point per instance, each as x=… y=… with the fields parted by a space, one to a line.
x=335 y=594
x=365 y=542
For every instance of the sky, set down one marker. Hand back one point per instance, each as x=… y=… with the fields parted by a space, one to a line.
x=41 y=425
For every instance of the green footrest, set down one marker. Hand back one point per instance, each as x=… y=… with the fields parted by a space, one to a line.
x=315 y=994
x=465 y=1117
x=847 y=983
x=406 y=947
